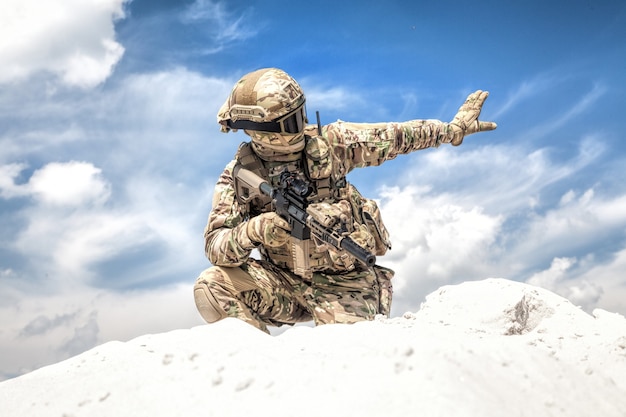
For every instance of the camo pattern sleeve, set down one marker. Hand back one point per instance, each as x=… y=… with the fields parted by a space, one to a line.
x=357 y=145
x=225 y=238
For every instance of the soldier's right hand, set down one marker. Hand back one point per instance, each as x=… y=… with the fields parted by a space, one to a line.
x=269 y=229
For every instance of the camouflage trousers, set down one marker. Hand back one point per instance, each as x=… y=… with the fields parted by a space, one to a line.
x=263 y=294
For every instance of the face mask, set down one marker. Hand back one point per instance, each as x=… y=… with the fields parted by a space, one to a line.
x=274 y=146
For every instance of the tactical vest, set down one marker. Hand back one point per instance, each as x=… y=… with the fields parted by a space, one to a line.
x=315 y=166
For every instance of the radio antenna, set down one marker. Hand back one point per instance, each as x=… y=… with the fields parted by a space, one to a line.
x=319 y=125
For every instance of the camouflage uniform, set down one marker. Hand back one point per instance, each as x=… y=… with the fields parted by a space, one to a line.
x=299 y=280
x=338 y=288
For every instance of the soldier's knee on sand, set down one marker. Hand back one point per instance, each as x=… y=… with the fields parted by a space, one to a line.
x=218 y=288
x=205 y=294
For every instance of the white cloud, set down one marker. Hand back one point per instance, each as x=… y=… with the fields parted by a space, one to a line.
x=76 y=241
x=65 y=184
x=8 y=174
x=69 y=219
x=579 y=223
x=549 y=278
x=611 y=276
x=434 y=241
x=88 y=70
x=334 y=98
x=498 y=211
x=527 y=89
x=72 y=183
x=178 y=100
x=579 y=107
x=558 y=278
x=505 y=176
x=128 y=244
x=73 y=39
x=64 y=245
x=582 y=224
x=221 y=24
x=148 y=120
x=141 y=204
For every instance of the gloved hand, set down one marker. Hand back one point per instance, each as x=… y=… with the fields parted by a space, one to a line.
x=466 y=120
x=341 y=259
x=268 y=229
x=364 y=238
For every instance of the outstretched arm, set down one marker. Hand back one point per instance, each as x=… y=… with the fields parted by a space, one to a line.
x=365 y=144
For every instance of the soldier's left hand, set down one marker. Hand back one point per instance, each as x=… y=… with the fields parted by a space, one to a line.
x=466 y=120
x=364 y=238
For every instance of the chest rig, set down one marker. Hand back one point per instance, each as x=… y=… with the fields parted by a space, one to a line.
x=315 y=167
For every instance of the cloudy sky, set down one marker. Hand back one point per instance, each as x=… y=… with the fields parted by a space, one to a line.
x=109 y=149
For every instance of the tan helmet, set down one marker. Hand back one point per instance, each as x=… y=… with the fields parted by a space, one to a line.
x=266 y=100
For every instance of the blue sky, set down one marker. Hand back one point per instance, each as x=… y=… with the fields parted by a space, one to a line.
x=109 y=149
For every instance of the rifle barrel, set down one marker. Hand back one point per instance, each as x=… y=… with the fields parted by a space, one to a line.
x=358 y=251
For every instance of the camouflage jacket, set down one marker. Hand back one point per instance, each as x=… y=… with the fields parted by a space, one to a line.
x=325 y=161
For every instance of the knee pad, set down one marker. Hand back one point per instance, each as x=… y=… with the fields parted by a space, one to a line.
x=206 y=302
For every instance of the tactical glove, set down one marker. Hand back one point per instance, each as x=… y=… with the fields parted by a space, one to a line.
x=364 y=238
x=466 y=120
x=268 y=229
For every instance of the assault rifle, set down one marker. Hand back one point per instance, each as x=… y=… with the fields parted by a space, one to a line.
x=290 y=202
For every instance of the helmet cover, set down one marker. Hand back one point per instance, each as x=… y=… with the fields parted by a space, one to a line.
x=263 y=100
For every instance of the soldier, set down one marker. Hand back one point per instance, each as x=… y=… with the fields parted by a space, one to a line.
x=332 y=287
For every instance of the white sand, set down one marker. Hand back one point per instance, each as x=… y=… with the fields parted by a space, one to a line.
x=485 y=348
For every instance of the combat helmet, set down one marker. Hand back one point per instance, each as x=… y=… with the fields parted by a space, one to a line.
x=268 y=105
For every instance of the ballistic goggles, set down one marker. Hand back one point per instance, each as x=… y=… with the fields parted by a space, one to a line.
x=290 y=124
